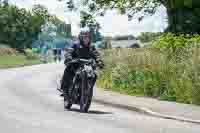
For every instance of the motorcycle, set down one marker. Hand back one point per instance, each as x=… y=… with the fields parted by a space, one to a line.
x=81 y=90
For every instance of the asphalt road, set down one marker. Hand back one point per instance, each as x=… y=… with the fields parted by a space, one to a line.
x=30 y=103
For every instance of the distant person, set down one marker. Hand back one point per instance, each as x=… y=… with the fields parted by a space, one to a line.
x=55 y=54
x=59 y=54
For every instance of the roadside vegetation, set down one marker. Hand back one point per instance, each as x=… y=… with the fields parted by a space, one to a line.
x=167 y=71
x=19 y=29
x=11 y=58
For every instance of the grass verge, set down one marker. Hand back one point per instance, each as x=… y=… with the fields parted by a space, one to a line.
x=10 y=61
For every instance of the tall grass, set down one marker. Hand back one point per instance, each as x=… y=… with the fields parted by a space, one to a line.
x=154 y=73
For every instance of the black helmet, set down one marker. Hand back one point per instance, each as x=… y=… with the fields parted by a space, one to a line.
x=84 y=32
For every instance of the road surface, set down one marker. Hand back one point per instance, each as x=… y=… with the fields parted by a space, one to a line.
x=30 y=103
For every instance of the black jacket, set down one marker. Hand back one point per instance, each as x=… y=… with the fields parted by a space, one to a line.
x=85 y=53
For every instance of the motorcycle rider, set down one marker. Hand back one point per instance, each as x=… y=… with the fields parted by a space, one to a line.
x=82 y=50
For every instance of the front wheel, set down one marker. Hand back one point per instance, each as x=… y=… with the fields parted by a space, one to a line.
x=67 y=103
x=86 y=94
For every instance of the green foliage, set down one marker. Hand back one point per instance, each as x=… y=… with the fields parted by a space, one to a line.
x=87 y=19
x=148 y=36
x=177 y=46
x=62 y=29
x=7 y=61
x=149 y=72
x=19 y=28
x=30 y=55
x=182 y=14
x=174 y=41
x=41 y=11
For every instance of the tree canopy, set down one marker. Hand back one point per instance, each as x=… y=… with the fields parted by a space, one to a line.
x=19 y=27
x=183 y=15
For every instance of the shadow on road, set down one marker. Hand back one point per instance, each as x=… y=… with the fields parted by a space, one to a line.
x=91 y=111
x=99 y=112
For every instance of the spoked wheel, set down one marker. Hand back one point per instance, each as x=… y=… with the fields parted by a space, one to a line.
x=86 y=94
x=67 y=102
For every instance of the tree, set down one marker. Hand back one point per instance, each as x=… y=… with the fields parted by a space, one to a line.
x=19 y=28
x=88 y=19
x=41 y=12
x=63 y=29
x=4 y=2
x=183 y=15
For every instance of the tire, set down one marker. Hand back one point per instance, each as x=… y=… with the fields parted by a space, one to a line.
x=86 y=95
x=67 y=103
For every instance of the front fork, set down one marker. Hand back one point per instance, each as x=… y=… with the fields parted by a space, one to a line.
x=73 y=91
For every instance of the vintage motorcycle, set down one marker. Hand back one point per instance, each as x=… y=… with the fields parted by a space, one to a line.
x=81 y=90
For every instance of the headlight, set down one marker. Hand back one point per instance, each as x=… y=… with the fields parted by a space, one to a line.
x=89 y=71
x=88 y=68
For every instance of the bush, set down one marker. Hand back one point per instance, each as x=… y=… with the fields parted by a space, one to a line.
x=30 y=55
x=170 y=41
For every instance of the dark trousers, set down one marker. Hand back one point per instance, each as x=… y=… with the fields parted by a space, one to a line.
x=68 y=76
x=67 y=80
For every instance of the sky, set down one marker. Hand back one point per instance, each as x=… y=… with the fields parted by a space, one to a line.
x=112 y=23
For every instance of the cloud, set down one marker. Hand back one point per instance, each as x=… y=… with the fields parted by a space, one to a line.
x=115 y=24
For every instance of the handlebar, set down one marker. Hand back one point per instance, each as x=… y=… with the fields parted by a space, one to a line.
x=80 y=61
